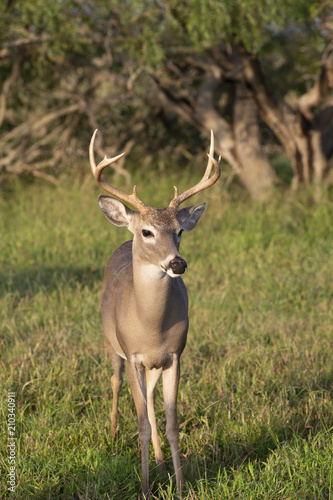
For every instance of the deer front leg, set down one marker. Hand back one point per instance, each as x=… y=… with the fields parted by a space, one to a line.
x=137 y=378
x=152 y=379
x=171 y=376
x=116 y=383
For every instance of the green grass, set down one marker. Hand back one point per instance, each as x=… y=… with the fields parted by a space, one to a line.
x=255 y=398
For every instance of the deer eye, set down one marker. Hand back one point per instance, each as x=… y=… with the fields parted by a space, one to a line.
x=180 y=232
x=146 y=233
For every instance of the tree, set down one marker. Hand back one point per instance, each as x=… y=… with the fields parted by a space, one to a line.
x=61 y=79
x=230 y=65
x=276 y=57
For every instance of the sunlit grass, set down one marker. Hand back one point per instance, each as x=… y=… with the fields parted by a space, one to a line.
x=255 y=398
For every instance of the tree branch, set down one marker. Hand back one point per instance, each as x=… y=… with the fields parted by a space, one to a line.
x=315 y=96
x=7 y=87
x=23 y=42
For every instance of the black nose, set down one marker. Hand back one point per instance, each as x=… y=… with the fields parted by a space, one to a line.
x=178 y=265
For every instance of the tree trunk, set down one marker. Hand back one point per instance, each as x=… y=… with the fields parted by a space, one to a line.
x=298 y=130
x=256 y=173
x=307 y=158
x=238 y=144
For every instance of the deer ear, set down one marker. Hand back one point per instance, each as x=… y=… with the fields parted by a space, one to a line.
x=188 y=217
x=115 y=211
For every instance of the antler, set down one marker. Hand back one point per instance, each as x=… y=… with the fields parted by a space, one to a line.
x=132 y=199
x=205 y=182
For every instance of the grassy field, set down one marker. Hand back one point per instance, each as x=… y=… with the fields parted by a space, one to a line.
x=255 y=398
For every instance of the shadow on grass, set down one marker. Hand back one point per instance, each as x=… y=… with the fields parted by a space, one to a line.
x=30 y=281
x=230 y=455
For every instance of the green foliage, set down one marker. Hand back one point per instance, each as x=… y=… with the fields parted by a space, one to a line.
x=255 y=399
x=207 y=25
x=58 y=21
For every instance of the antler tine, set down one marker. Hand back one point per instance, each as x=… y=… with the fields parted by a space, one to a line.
x=206 y=180
x=132 y=199
x=210 y=155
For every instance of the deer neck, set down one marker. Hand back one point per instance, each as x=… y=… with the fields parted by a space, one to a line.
x=152 y=290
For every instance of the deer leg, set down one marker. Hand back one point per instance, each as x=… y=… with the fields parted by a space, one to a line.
x=137 y=378
x=152 y=379
x=171 y=376
x=116 y=383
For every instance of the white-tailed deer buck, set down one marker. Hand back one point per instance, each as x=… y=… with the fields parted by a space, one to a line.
x=144 y=305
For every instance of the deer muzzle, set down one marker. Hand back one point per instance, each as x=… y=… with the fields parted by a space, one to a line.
x=177 y=266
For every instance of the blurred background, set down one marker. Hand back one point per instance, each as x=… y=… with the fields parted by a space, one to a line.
x=155 y=77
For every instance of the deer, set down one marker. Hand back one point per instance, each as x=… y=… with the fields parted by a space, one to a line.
x=144 y=305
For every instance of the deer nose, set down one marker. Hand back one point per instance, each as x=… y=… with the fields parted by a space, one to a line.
x=178 y=265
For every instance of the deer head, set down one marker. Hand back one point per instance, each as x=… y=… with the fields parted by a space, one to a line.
x=157 y=231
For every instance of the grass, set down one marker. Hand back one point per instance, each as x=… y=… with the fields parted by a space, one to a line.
x=255 y=398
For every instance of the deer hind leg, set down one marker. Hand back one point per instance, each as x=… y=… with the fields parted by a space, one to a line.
x=171 y=376
x=116 y=383
x=137 y=378
x=152 y=377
